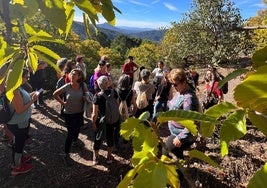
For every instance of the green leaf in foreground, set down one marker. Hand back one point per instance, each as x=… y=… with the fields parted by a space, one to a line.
x=200 y=155
x=233 y=128
x=259 y=120
x=259 y=180
x=152 y=175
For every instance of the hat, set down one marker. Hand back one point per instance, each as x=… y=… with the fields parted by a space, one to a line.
x=102 y=63
x=79 y=58
x=145 y=73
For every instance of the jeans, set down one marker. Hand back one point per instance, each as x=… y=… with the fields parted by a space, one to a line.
x=159 y=106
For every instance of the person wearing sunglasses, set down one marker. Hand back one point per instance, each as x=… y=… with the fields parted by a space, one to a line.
x=184 y=98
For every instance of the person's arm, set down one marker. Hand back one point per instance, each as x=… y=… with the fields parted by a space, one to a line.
x=134 y=102
x=136 y=67
x=94 y=116
x=218 y=92
x=18 y=104
x=57 y=95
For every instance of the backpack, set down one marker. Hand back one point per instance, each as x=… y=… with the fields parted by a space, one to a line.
x=5 y=112
x=112 y=114
x=225 y=86
x=92 y=84
x=141 y=100
x=123 y=108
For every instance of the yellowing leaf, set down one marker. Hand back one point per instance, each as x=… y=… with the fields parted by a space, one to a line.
x=206 y=129
x=252 y=90
x=18 y=1
x=151 y=175
x=259 y=58
x=54 y=11
x=128 y=127
x=128 y=178
x=172 y=176
x=15 y=77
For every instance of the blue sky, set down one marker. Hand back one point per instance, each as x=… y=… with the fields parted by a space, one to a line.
x=157 y=13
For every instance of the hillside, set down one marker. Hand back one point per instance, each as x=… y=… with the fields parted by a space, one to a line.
x=112 y=32
x=246 y=156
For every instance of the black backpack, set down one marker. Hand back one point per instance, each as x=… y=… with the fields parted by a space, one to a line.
x=5 y=111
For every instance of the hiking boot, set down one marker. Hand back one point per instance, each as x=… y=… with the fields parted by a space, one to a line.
x=110 y=159
x=24 y=159
x=24 y=168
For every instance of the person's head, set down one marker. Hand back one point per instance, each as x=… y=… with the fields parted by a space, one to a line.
x=211 y=68
x=70 y=64
x=209 y=76
x=103 y=82
x=109 y=67
x=142 y=68
x=178 y=79
x=124 y=82
x=25 y=75
x=102 y=65
x=61 y=63
x=104 y=58
x=131 y=58
x=80 y=58
x=77 y=75
x=144 y=74
x=160 y=64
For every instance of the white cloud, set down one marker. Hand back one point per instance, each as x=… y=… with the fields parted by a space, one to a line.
x=260 y=5
x=170 y=7
x=139 y=3
x=155 y=2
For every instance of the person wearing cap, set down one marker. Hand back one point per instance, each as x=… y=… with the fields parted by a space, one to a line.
x=81 y=65
x=128 y=68
x=145 y=86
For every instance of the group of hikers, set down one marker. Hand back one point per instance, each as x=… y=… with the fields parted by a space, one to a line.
x=110 y=103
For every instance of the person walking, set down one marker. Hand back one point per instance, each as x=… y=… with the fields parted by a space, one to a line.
x=99 y=111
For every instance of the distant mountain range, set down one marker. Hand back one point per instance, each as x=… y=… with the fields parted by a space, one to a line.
x=112 y=32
